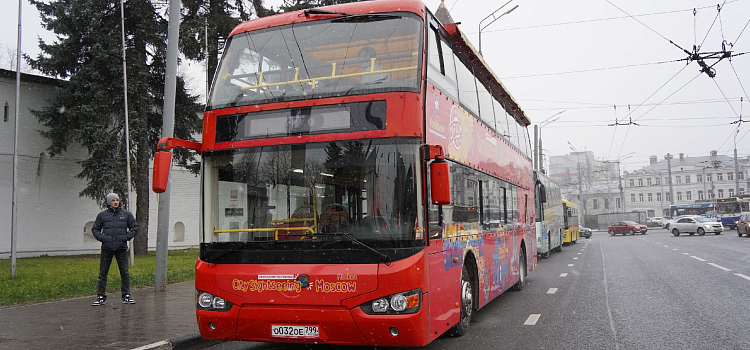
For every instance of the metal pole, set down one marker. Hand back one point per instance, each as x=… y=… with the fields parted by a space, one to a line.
x=127 y=123
x=208 y=79
x=14 y=210
x=167 y=130
x=671 y=189
x=536 y=147
x=736 y=168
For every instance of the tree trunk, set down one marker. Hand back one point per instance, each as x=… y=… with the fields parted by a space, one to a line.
x=142 y=193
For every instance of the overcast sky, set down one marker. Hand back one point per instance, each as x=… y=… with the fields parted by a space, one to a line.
x=585 y=57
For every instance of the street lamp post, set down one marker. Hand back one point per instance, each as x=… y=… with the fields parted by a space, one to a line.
x=580 y=184
x=538 y=139
x=494 y=18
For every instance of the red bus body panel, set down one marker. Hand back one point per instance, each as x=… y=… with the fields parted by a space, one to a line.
x=264 y=295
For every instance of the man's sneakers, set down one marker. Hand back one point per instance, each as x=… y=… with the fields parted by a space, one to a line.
x=99 y=301
x=127 y=299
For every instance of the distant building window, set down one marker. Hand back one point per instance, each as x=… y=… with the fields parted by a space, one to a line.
x=650 y=197
x=658 y=197
x=730 y=176
x=731 y=192
x=687 y=179
x=710 y=194
x=679 y=196
x=689 y=195
x=648 y=181
x=640 y=197
x=667 y=181
x=595 y=203
x=700 y=195
x=742 y=190
x=741 y=175
x=721 y=193
x=632 y=198
x=708 y=178
x=668 y=196
x=617 y=202
x=678 y=179
x=632 y=182
x=658 y=181
x=719 y=177
x=699 y=178
x=606 y=203
x=640 y=182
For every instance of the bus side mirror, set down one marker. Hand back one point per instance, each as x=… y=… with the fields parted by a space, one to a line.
x=440 y=183
x=162 y=164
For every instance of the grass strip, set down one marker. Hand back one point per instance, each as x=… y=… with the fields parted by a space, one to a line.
x=48 y=278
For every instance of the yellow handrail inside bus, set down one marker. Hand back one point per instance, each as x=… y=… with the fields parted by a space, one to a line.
x=315 y=80
x=274 y=229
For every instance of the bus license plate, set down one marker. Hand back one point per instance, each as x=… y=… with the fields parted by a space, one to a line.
x=284 y=331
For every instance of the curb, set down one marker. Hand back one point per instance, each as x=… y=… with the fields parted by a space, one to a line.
x=191 y=342
x=186 y=342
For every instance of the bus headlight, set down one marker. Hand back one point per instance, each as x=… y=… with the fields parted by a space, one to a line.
x=208 y=301
x=400 y=303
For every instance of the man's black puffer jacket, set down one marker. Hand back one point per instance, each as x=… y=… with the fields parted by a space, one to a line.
x=114 y=228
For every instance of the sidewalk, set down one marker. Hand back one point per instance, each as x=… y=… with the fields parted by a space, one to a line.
x=163 y=320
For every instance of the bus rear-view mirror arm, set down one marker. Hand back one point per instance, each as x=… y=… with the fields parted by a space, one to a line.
x=440 y=186
x=163 y=160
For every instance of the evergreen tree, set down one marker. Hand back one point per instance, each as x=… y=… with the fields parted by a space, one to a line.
x=89 y=109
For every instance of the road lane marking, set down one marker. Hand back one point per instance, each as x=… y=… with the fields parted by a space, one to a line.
x=532 y=320
x=564 y=274
x=570 y=264
x=743 y=276
x=579 y=253
x=697 y=258
x=674 y=248
x=686 y=253
x=666 y=246
x=552 y=291
x=157 y=345
x=719 y=267
x=575 y=258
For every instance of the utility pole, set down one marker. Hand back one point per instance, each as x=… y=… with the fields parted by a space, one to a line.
x=536 y=149
x=671 y=189
x=736 y=168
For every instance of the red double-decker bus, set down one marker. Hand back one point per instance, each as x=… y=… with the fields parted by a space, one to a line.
x=365 y=180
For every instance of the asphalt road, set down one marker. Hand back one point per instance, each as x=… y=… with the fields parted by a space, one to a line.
x=652 y=291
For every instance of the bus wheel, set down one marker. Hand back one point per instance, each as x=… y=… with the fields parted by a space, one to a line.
x=467 y=305
x=522 y=273
x=675 y=232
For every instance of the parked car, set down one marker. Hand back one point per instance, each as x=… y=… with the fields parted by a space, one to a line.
x=626 y=228
x=668 y=223
x=584 y=231
x=699 y=225
x=656 y=221
x=743 y=225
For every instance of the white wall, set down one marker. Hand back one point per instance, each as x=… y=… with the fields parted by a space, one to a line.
x=52 y=218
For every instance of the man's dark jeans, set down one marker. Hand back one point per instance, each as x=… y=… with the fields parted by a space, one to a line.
x=122 y=263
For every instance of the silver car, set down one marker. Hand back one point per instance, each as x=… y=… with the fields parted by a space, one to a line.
x=699 y=225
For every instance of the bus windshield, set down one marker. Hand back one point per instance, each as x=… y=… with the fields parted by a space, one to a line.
x=339 y=56
x=308 y=196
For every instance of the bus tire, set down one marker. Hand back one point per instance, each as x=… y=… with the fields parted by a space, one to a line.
x=675 y=232
x=467 y=305
x=522 y=273
x=549 y=249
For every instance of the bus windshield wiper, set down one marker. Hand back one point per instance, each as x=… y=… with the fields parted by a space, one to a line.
x=225 y=252
x=386 y=259
x=309 y=12
x=370 y=17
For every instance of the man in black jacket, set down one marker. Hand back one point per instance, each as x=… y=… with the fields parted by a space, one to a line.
x=114 y=227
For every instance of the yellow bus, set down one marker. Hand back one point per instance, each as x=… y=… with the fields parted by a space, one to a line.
x=571 y=222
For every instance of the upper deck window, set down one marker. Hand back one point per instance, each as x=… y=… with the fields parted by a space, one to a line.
x=340 y=56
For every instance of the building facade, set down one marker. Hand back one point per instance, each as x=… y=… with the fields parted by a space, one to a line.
x=694 y=179
x=52 y=218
